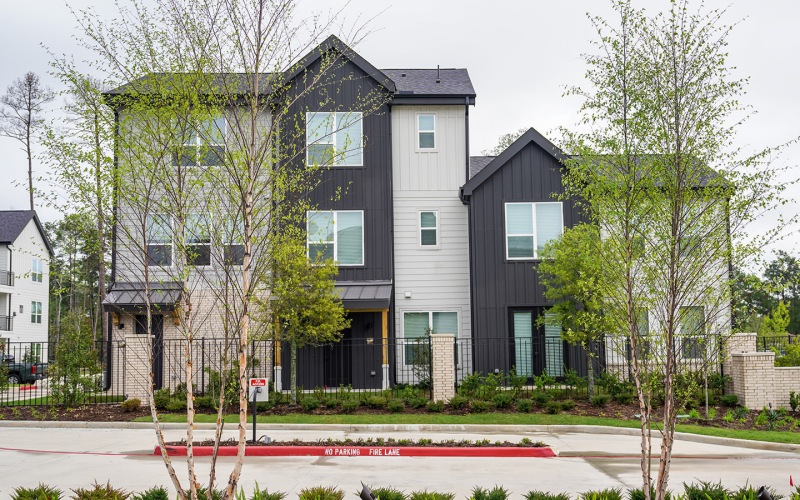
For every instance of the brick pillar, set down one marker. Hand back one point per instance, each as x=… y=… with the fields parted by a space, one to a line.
x=137 y=367
x=737 y=344
x=443 y=366
x=754 y=378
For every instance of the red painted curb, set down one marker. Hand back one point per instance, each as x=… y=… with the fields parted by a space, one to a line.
x=364 y=451
x=27 y=387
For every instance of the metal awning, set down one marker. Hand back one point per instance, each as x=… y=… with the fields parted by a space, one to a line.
x=130 y=297
x=365 y=294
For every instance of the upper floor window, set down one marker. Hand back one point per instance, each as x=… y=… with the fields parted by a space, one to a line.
x=201 y=145
x=426 y=131
x=337 y=235
x=529 y=226
x=429 y=229
x=37 y=270
x=233 y=243
x=36 y=312
x=198 y=240
x=159 y=240
x=692 y=323
x=334 y=139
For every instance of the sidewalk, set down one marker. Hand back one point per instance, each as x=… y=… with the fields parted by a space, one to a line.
x=70 y=455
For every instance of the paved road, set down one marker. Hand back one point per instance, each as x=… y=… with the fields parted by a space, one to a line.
x=74 y=457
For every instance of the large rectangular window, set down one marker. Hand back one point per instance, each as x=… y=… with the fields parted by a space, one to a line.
x=159 y=240
x=529 y=226
x=429 y=229
x=202 y=144
x=692 y=322
x=37 y=270
x=334 y=139
x=426 y=131
x=198 y=240
x=36 y=312
x=337 y=235
x=417 y=326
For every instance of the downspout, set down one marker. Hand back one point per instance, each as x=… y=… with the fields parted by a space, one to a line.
x=470 y=236
x=10 y=321
x=391 y=316
x=466 y=132
x=114 y=196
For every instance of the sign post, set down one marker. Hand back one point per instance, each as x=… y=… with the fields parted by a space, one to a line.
x=259 y=391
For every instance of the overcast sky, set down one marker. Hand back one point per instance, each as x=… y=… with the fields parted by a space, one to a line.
x=520 y=56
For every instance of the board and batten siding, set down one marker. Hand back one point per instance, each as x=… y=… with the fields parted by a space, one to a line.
x=29 y=245
x=437 y=279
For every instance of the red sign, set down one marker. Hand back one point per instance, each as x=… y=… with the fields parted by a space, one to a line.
x=258 y=382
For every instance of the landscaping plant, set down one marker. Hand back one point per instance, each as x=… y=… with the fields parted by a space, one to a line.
x=40 y=492
x=496 y=493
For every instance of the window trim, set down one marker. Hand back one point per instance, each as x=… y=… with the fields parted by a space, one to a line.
x=698 y=340
x=336 y=236
x=534 y=236
x=199 y=142
x=171 y=243
x=430 y=313
x=421 y=131
x=333 y=141
x=36 y=312
x=232 y=236
x=37 y=276
x=210 y=244
x=435 y=229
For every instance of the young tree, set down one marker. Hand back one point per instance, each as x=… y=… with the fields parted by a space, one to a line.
x=504 y=141
x=22 y=105
x=659 y=175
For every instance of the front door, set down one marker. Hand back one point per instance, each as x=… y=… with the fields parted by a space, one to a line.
x=157 y=332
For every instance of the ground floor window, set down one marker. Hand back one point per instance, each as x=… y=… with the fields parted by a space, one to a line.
x=537 y=345
x=418 y=325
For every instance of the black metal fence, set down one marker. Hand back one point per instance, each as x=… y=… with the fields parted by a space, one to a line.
x=776 y=343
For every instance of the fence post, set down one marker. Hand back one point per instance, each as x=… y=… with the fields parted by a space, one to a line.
x=443 y=372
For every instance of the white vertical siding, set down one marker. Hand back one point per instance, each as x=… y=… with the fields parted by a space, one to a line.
x=28 y=246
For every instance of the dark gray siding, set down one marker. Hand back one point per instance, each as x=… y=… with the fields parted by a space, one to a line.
x=498 y=285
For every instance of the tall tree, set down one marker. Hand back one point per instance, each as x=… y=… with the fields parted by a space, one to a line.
x=659 y=174
x=783 y=276
x=22 y=105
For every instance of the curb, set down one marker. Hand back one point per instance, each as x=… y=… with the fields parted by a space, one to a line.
x=364 y=451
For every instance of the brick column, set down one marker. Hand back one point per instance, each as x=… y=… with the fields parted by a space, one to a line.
x=754 y=380
x=736 y=344
x=444 y=368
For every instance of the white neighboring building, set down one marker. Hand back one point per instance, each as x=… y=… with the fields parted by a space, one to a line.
x=25 y=256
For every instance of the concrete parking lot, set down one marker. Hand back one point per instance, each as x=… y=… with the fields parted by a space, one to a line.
x=70 y=456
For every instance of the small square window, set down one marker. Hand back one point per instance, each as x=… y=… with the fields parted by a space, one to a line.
x=426 y=131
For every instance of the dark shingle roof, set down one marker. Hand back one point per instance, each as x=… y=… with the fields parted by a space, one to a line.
x=131 y=296
x=12 y=222
x=451 y=81
x=476 y=164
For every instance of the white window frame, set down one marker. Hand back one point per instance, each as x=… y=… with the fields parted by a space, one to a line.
x=534 y=236
x=426 y=131
x=210 y=245
x=199 y=141
x=435 y=229
x=332 y=141
x=36 y=312
x=37 y=270
x=698 y=340
x=171 y=243
x=233 y=236
x=430 y=314
x=335 y=241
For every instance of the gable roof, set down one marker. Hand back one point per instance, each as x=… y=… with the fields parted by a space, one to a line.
x=13 y=222
x=531 y=136
x=478 y=163
x=432 y=82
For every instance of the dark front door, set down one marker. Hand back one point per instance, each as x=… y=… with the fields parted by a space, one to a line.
x=536 y=347
x=157 y=332
x=337 y=361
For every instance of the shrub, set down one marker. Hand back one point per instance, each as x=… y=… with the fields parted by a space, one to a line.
x=794 y=400
x=543 y=381
x=74 y=369
x=131 y=404
x=331 y=403
x=749 y=492
x=161 y=398
x=176 y=405
x=623 y=398
x=388 y=494
x=524 y=405
x=503 y=400
x=100 y=492
x=704 y=490
x=740 y=413
x=458 y=402
x=154 y=493
x=542 y=495
x=309 y=404
x=321 y=493
x=480 y=406
x=729 y=400
x=541 y=398
x=496 y=493
x=553 y=408
x=694 y=414
x=599 y=400
x=376 y=402
x=350 y=405
x=396 y=406
x=39 y=492
x=204 y=494
x=418 y=402
x=259 y=494
x=206 y=403
x=568 y=405
x=435 y=406
x=430 y=495
x=638 y=494
x=607 y=494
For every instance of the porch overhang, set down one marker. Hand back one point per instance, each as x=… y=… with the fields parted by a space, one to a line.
x=365 y=295
x=130 y=297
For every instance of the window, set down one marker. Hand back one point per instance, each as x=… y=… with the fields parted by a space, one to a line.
x=202 y=145
x=159 y=240
x=36 y=312
x=233 y=247
x=35 y=352
x=536 y=346
x=198 y=240
x=417 y=325
x=37 y=271
x=426 y=131
x=429 y=229
x=692 y=322
x=643 y=346
x=529 y=226
x=334 y=139
x=337 y=235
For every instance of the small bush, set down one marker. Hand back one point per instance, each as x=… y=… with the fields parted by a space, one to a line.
x=458 y=402
x=749 y=492
x=705 y=490
x=204 y=494
x=503 y=400
x=396 y=406
x=553 y=408
x=729 y=400
x=207 y=403
x=496 y=493
x=161 y=398
x=176 y=405
x=607 y=494
x=350 y=405
x=321 y=493
x=259 y=494
x=623 y=398
x=794 y=400
x=376 y=402
x=40 y=492
x=638 y=494
x=599 y=400
x=740 y=413
x=418 y=402
x=388 y=494
x=543 y=495
x=331 y=403
x=540 y=399
x=435 y=406
x=100 y=492
x=524 y=405
x=568 y=405
x=309 y=404
x=480 y=406
x=131 y=404
x=154 y=493
x=430 y=495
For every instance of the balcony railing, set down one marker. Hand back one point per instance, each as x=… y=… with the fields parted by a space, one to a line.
x=6 y=323
x=6 y=278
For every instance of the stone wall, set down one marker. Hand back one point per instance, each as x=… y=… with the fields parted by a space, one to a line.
x=444 y=366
